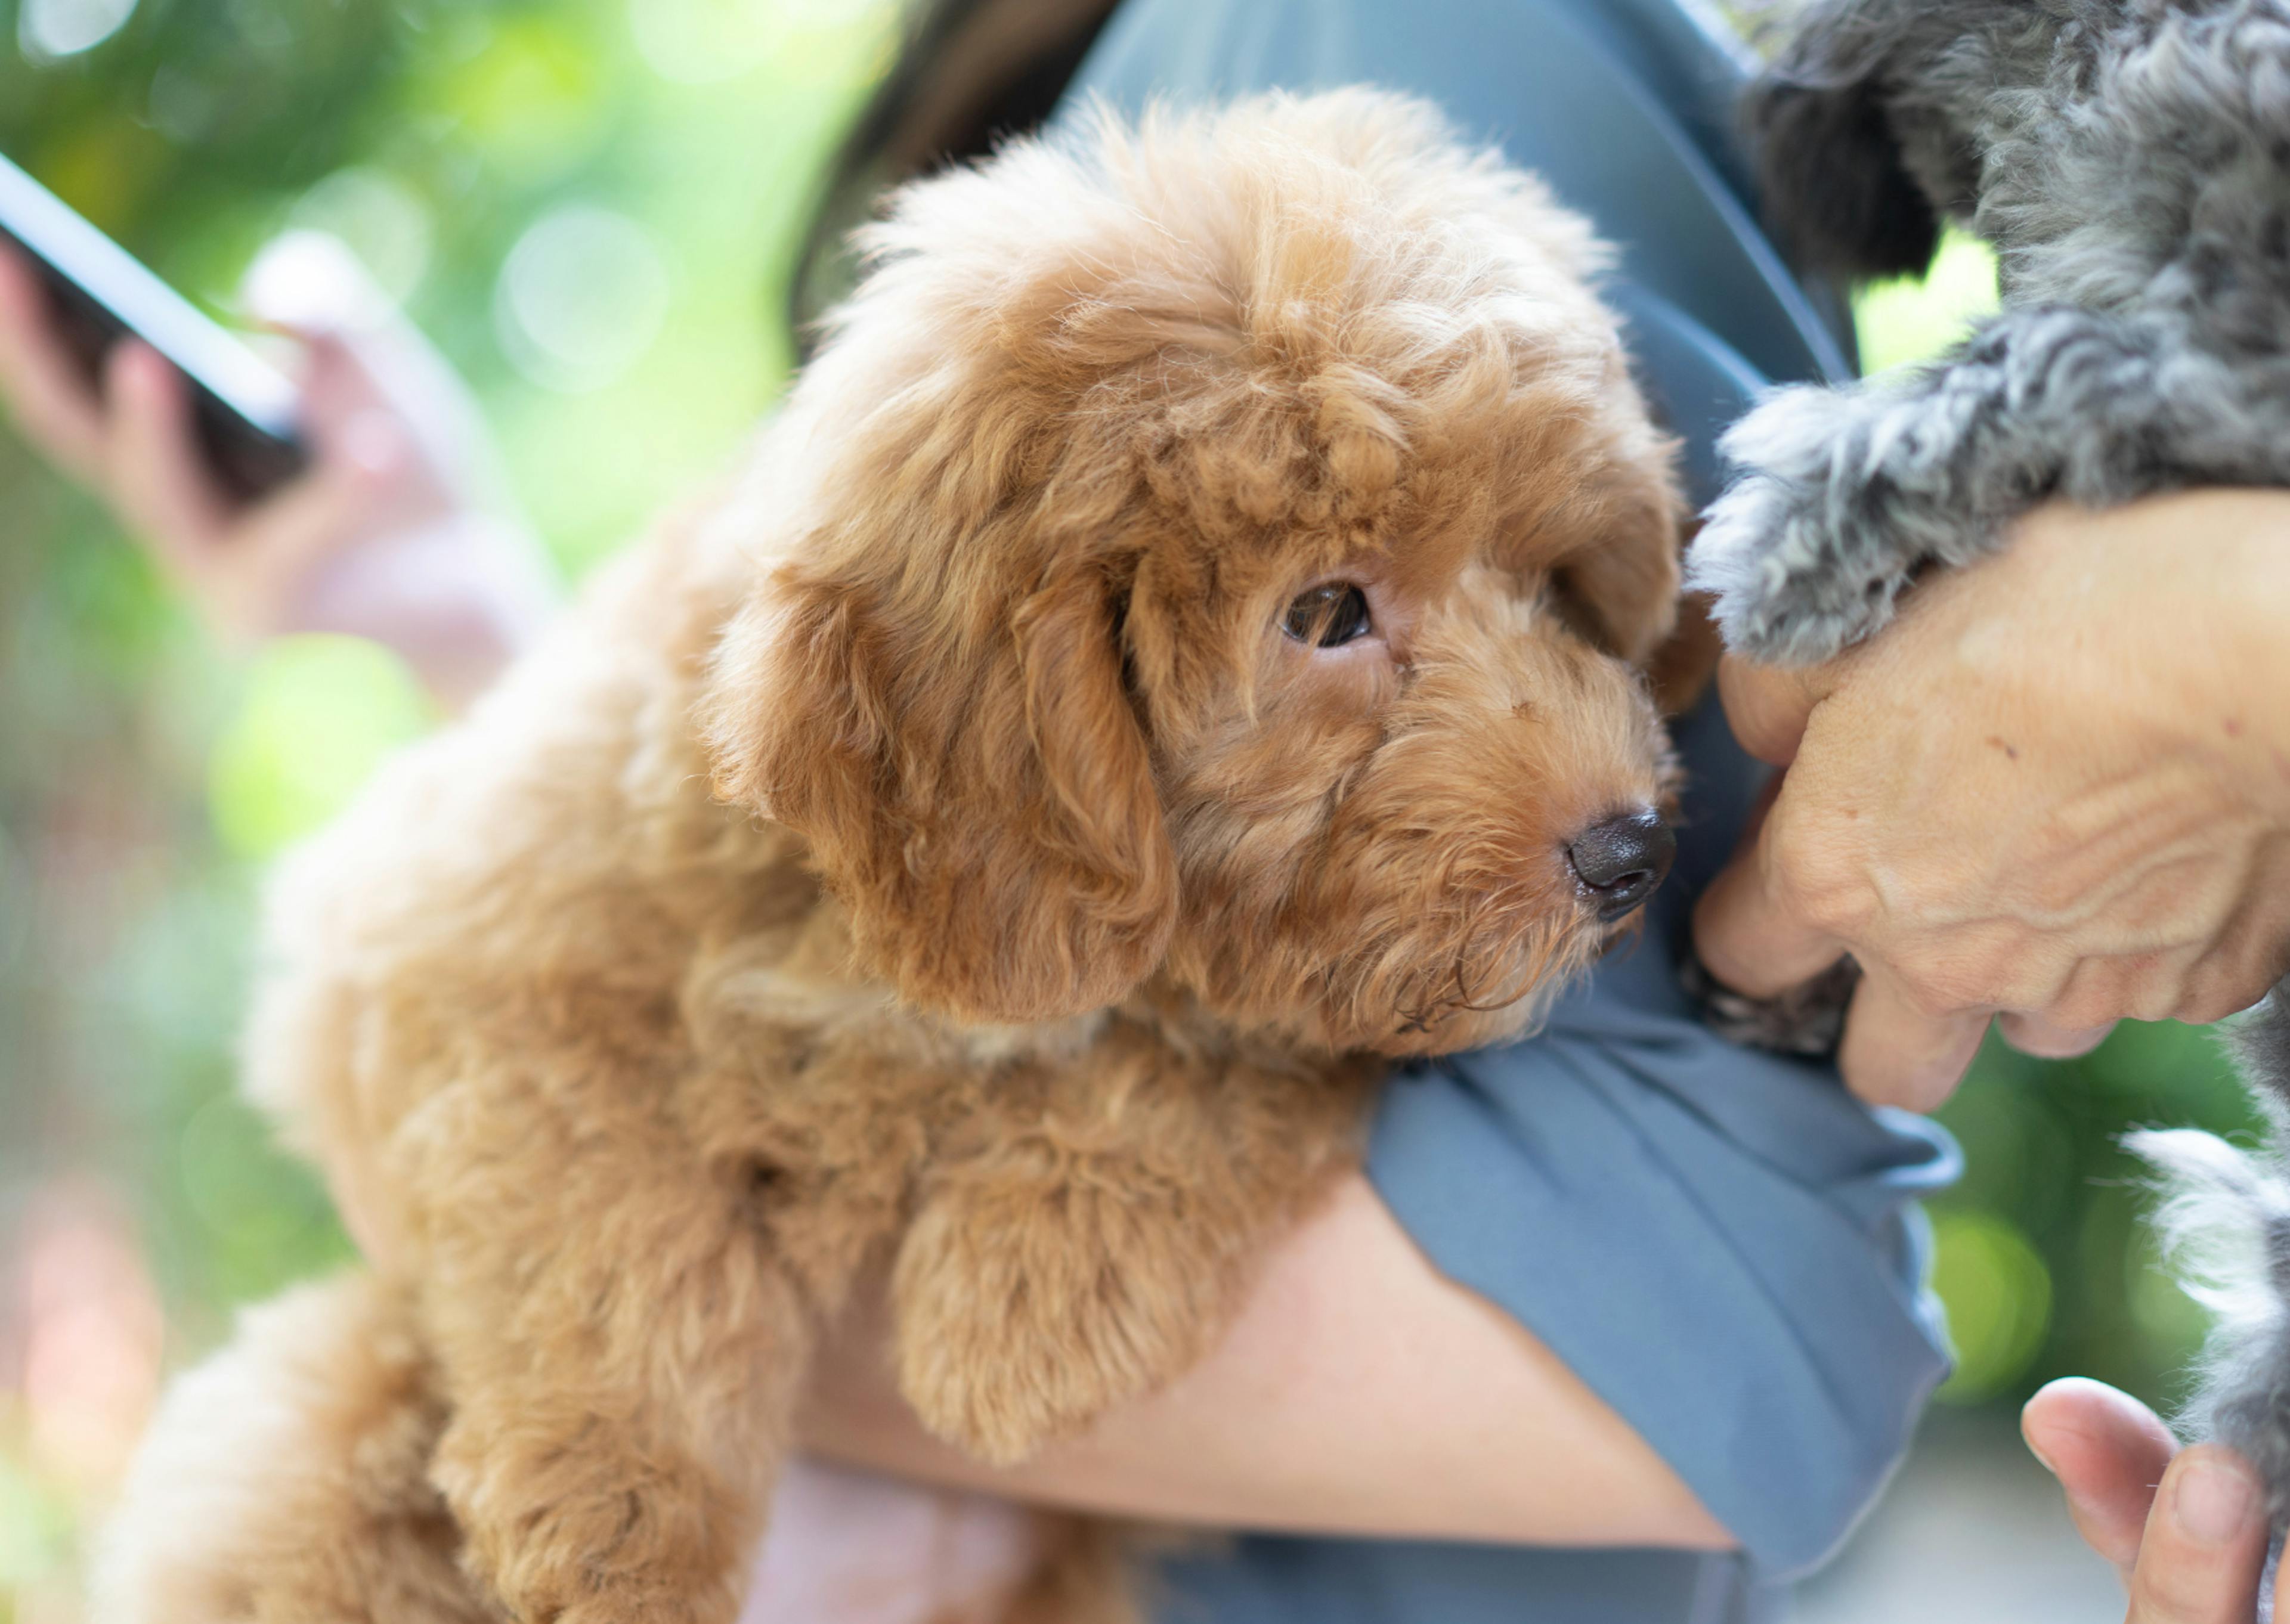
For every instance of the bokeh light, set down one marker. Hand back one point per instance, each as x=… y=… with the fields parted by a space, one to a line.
x=531 y=90
x=582 y=298
x=700 y=41
x=1999 y=1295
x=377 y=217
x=49 y=30
x=706 y=41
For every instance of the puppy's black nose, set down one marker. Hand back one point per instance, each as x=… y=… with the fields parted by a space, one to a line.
x=1621 y=860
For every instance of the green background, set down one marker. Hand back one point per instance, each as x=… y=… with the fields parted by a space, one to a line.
x=145 y=776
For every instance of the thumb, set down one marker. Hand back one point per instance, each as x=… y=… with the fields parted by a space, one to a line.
x=309 y=287
x=363 y=357
x=1747 y=932
x=1768 y=707
x=2109 y=1452
x=2203 y=1549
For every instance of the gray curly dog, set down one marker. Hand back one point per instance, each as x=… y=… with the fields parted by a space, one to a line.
x=2130 y=160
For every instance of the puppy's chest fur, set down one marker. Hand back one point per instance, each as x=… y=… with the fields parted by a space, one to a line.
x=845 y=1112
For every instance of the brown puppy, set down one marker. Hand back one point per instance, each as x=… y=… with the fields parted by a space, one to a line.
x=1180 y=646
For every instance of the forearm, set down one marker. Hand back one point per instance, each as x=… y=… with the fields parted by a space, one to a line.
x=1359 y=1391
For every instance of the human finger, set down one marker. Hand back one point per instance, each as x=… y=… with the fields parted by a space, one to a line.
x=2045 y=1040
x=2236 y=969
x=2203 y=1549
x=47 y=397
x=308 y=286
x=1767 y=706
x=153 y=468
x=348 y=411
x=1897 y=1054
x=243 y=566
x=2108 y=1452
x=257 y=580
x=1748 y=933
x=361 y=355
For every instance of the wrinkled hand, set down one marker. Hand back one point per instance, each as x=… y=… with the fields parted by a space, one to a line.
x=2187 y=1531
x=2057 y=790
x=847 y=1547
x=398 y=532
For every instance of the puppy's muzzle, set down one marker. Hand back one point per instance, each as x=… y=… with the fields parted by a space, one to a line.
x=1620 y=862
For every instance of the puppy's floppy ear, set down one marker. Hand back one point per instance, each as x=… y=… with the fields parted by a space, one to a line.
x=969 y=771
x=1625 y=581
x=1838 y=193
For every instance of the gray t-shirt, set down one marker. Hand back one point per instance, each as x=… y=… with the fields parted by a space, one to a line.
x=1721 y=1244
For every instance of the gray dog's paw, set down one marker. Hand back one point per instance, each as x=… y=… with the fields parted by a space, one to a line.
x=1807 y=1019
x=1763 y=556
x=1799 y=563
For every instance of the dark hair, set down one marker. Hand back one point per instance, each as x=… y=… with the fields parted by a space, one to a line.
x=970 y=74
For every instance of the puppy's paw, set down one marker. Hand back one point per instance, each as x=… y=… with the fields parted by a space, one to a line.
x=1787 y=589
x=1024 y=1312
x=1798 y=553
x=574 y=1569
x=586 y=1525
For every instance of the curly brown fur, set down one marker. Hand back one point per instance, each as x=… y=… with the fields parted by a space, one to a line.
x=935 y=855
x=293 y=1468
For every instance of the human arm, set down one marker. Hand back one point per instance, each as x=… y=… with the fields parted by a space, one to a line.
x=2057 y=789
x=1313 y=1414
x=2185 y=1529
x=1359 y=1391
x=398 y=532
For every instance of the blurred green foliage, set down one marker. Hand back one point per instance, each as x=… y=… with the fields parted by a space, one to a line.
x=1909 y=321
x=143 y=779
x=318 y=715
x=143 y=776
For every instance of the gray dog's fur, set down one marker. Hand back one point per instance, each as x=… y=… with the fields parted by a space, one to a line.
x=2130 y=160
x=2228 y=1224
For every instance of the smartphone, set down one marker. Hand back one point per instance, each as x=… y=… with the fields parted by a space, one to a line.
x=245 y=410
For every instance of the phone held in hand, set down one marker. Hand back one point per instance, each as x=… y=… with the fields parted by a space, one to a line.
x=243 y=409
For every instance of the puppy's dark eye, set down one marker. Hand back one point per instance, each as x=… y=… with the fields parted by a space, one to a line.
x=1328 y=617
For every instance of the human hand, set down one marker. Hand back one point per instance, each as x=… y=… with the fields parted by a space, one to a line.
x=2057 y=789
x=398 y=532
x=2186 y=1529
x=860 y=1549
